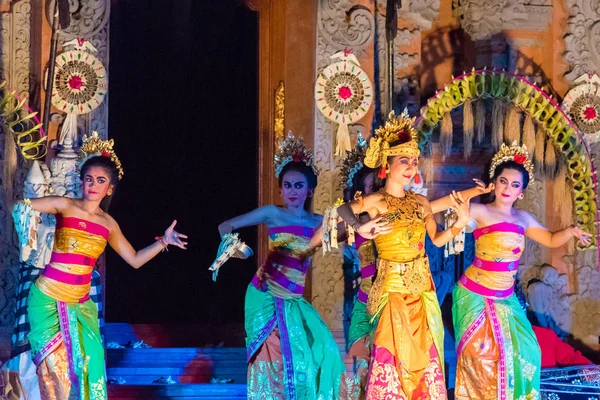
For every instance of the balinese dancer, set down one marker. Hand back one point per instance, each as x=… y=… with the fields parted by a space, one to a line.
x=498 y=354
x=65 y=337
x=407 y=351
x=291 y=352
x=357 y=179
x=35 y=232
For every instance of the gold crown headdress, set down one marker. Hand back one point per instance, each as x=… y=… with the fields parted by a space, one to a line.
x=94 y=146
x=353 y=162
x=395 y=129
x=293 y=149
x=514 y=153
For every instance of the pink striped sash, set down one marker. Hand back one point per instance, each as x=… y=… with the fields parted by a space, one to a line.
x=368 y=271
x=496 y=266
x=362 y=296
x=65 y=277
x=290 y=262
x=82 y=225
x=484 y=291
x=78 y=259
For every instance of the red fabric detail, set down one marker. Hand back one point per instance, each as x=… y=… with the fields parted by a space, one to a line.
x=555 y=352
x=382 y=174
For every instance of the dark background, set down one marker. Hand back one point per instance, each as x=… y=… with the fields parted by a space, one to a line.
x=183 y=114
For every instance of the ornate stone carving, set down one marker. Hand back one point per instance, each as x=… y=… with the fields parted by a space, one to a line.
x=65 y=177
x=535 y=203
x=341 y=24
x=88 y=18
x=423 y=12
x=344 y=24
x=583 y=37
x=484 y=18
x=14 y=58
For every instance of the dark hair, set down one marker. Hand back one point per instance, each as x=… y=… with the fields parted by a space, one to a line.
x=512 y=165
x=358 y=183
x=304 y=169
x=111 y=169
x=308 y=173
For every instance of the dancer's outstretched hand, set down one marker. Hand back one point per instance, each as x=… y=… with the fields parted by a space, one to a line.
x=482 y=188
x=583 y=236
x=173 y=237
x=374 y=228
x=461 y=207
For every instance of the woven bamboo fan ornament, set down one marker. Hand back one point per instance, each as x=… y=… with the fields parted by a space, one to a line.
x=583 y=104
x=344 y=94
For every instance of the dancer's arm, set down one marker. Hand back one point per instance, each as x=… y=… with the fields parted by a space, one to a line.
x=459 y=205
x=51 y=204
x=261 y=215
x=445 y=202
x=543 y=236
x=370 y=229
x=136 y=259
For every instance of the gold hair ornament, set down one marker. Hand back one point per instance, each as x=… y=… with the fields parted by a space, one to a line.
x=293 y=149
x=94 y=146
x=395 y=129
x=514 y=153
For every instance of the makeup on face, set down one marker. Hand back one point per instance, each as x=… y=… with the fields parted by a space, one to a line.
x=509 y=185
x=404 y=168
x=294 y=188
x=96 y=184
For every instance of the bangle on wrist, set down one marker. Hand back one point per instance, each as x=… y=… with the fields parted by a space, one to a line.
x=455 y=230
x=163 y=243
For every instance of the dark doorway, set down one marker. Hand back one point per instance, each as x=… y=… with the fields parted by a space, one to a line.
x=183 y=114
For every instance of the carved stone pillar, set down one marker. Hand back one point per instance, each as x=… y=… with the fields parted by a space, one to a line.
x=340 y=25
x=14 y=63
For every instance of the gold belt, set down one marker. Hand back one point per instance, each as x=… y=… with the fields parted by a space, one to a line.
x=411 y=277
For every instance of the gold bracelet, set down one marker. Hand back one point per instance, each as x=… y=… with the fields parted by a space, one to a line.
x=454 y=230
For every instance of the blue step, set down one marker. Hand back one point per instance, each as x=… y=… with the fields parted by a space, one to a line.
x=177 y=391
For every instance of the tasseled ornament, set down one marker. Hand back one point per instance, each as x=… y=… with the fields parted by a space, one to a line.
x=529 y=134
x=480 y=120
x=426 y=162
x=468 y=128
x=426 y=166
x=382 y=174
x=538 y=154
x=512 y=127
x=446 y=135
x=550 y=160
x=497 y=124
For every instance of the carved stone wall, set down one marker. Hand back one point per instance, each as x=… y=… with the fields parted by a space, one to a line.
x=583 y=37
x=482 y=19
x=341 y=24
x=15 y=33
x=90 y=20
x=571 y=302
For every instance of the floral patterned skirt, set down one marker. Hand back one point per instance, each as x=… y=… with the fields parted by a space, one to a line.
x=407 y=357
x=497 y=351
